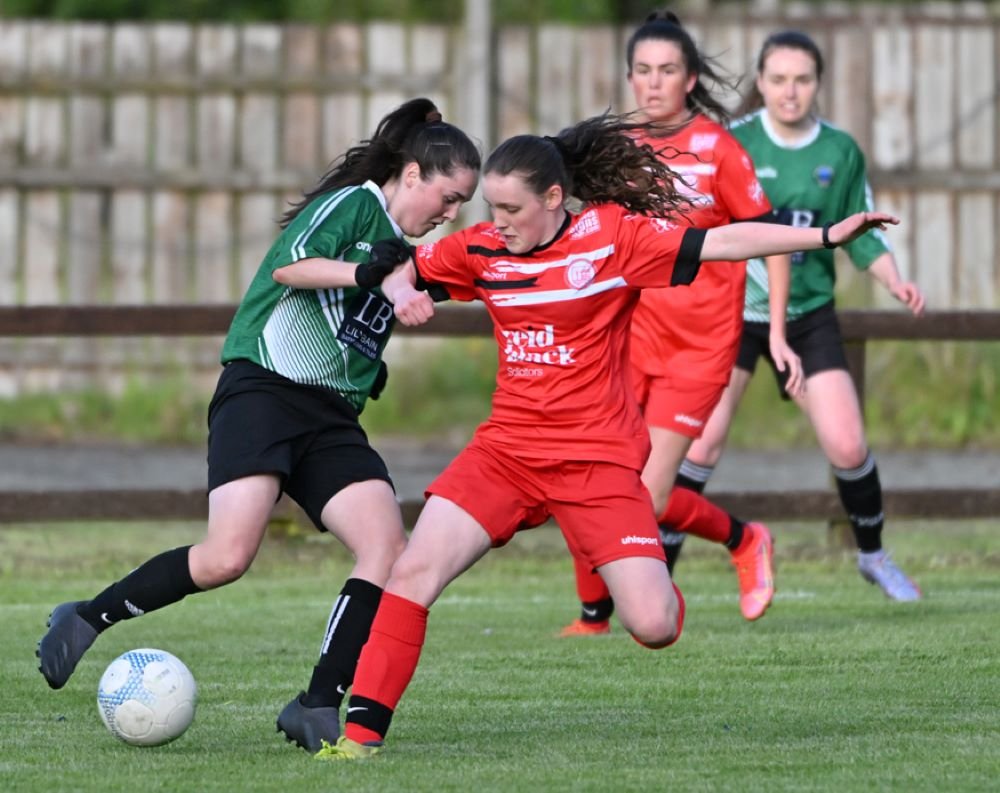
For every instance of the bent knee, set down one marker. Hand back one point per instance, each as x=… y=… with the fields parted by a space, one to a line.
x=218 y=569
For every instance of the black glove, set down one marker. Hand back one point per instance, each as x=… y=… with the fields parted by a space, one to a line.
x=381 y=378
x=385 y=256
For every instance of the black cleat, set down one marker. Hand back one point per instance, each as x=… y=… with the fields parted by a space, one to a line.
x=309 y=727
x=68 y=638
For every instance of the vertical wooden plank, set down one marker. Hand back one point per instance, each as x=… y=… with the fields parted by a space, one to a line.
x=598 y=71
x=301 y=109
x=43 y=230
x=977 y=95
x=13 y=49
x=86 y=247
x=259 y=120
x=10 y=240
x=555 y=94
x=213 y=245
x=170 y=268
x=934 y=243
x=977 y=250
x=432 y=55
x=343 y=111
x=129 y=242
x=386 y=73
x=934 y=77
x=173 y=53
x=215 y=51
x=514 y=59
x=171 y=280
x=257 y=229
x=851 y=83
x=88 y=48
x=892 y=126
x=130 y=116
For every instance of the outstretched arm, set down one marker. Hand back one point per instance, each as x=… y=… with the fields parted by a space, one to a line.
x=906 y=292
x=739 y=241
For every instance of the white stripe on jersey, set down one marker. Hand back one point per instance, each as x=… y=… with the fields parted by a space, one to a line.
x=334 y=308
x=523 y=298
x=701 y=169
x=533 y=268
x=321 y=214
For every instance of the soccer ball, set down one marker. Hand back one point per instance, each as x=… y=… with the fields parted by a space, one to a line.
x=147 y=697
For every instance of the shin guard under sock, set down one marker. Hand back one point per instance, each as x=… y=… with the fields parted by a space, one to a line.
x=386 y=667
x=861 y=494
x=347 y=631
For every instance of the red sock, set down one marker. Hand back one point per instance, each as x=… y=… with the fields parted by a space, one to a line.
x=692 y=513
x=589 y=585
x=389 y=658
x=681 y=608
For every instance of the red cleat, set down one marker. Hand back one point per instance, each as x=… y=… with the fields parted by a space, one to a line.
x=753 y=563
x=580 y=628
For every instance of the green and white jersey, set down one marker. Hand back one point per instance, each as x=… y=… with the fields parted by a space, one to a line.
x=332 y=338
x=818 y=180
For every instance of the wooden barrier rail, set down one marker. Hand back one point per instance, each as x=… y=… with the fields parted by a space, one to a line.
x=858 y=328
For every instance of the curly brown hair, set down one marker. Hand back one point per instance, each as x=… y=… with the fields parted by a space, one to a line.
x=597 y=161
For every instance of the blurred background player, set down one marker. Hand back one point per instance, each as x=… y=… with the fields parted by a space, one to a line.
x=684 y=341
x=813 y=172
x=301 y=357
x=565 y=438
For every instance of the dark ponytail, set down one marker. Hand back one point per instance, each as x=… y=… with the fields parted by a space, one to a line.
x=785 y=39
x=596 y=161
x=413 y=132
x=666 y=26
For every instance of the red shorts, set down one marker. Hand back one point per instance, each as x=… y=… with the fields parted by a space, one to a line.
x=674 y=403
x=603 y=510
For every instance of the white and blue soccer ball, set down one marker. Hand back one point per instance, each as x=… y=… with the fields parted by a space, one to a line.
x=147 y=697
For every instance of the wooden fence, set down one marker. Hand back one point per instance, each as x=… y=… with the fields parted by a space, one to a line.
x=858 y=328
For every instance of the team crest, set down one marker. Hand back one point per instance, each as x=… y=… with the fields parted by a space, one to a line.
x=662 y=225
x=823 y=175
x=580 y=273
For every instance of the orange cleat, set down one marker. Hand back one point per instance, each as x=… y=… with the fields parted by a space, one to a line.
x=753 y=563
x=579 y=627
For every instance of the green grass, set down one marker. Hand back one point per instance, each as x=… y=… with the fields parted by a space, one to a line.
x=835 y=689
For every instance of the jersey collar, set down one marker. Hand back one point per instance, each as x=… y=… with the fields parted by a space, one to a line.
x=780 y=142
x=376 y=191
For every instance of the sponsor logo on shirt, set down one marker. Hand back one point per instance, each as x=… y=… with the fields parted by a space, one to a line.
x=634 y=540
x=703 y=141
x=588 y=223
x=767 y=172
x=535 y=346
x=662 y=225
x=580 y=273
x=756 y=192
x=363 y=246
x=823 y=175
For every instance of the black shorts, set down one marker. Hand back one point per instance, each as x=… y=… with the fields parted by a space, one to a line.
x=814 y=337
x=262 y=423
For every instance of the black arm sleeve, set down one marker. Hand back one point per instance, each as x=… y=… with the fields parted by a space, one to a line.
x=438 y=292
x=688 y=257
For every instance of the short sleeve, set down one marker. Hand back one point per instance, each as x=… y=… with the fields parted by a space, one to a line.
x=447 y=263
x=657 y=252
x=858 y=198
x=737 y=187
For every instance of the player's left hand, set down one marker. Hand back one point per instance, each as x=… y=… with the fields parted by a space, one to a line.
x=853 y=226
x=909 y=294
x=785 y=359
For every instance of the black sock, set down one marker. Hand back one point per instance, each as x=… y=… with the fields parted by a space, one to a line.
x=162 y=580
x=861 y=494
x=693 y=477
x=346 y=633
x=597 y=610
x=735 y=533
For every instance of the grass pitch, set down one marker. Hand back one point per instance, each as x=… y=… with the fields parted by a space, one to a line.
x=834 y=689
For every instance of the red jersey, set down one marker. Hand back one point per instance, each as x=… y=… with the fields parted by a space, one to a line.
x=561 y=316
x=693 y=332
